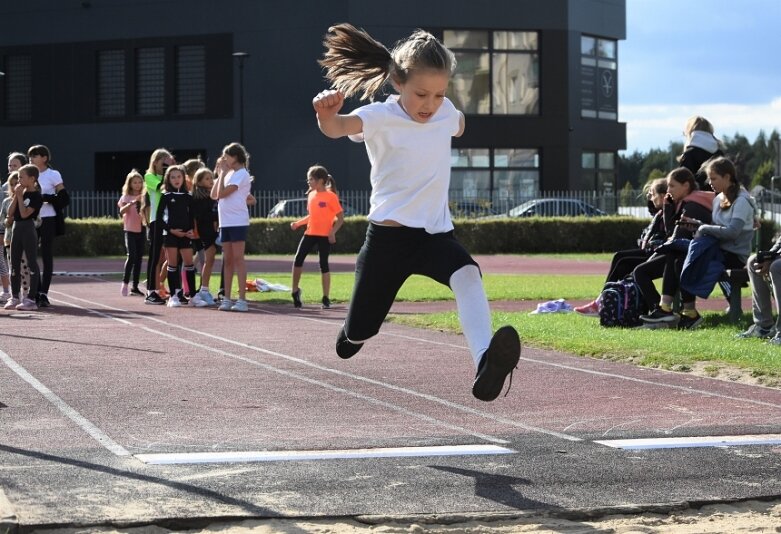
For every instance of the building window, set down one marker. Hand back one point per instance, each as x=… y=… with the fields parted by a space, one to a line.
x=599 y=171
x=150 y=81
x=111 y=83
x=190 y=80
x=497 y=73
x=598 y=78
x=18 y=88
x=502 y=177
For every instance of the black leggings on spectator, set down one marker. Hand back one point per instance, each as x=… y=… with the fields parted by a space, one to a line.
x=624 y=262
x=46 y=233
x=134 y=245
x=669 y=267
x=155 y=250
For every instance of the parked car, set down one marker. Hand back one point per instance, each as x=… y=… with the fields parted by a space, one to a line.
x=296 y=207
x=555 y=207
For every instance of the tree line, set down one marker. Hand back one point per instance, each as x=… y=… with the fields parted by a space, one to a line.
x=755 y=162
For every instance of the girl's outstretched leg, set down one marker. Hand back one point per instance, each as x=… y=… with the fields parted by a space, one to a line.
x=495 y=356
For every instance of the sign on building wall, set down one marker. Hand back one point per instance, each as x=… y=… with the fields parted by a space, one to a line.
x=598 y=78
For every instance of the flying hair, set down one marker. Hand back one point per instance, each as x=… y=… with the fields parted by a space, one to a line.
x=355 y=62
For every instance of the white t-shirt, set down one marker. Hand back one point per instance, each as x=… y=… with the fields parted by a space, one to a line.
x=410 y=161
x=232 y=210
x=48 y=180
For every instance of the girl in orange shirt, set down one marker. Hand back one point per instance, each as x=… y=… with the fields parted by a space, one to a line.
x=324 y=220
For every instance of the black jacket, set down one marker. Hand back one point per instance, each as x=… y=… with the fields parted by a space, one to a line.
x=175 y=211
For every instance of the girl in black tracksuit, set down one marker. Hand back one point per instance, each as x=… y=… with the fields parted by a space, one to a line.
x=175 y=213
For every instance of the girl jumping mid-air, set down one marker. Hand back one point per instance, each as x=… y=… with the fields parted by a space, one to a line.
x=408 y=140
x=324 y=218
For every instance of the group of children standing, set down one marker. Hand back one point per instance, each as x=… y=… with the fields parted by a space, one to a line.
x=183 y=206
x=31 y=214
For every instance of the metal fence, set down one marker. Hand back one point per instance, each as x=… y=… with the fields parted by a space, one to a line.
x=86 y=204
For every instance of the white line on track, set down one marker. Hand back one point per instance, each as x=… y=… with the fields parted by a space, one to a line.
x=431 y=398
x=63 y=406
x=700 y=441
x=343 y=454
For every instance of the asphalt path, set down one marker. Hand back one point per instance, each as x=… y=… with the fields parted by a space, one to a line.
x=93 y=387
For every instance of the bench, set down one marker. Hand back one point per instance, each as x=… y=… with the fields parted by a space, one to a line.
x=738 y=279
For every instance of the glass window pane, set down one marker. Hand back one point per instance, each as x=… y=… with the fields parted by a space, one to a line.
x=606 y=160
x=470 y=157
x=470 y=184
x=589 y=160
x=515 y=84
x=468 y=88
x=18 y=88
x=516 y=157
x=588 y=46
x=465 y=39
x=190 y=79
x=606 y=49
x=111 y=83
x=511 y=187
x=150 y=81
x=515 y=40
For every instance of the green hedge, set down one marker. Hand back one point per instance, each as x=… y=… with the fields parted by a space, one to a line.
x=104 y=237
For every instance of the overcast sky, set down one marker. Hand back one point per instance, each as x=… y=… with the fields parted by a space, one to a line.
x=717 y=58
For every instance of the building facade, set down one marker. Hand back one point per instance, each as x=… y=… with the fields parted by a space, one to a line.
x=102 y=83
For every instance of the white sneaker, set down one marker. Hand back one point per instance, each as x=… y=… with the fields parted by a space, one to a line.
x=206 y=297
x=27 y=305
x=240 y=306
x=12 y=303
x=173 y=302
x=197 y=301
x=225 y=305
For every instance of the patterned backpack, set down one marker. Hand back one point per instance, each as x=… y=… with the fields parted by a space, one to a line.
x=621 y=304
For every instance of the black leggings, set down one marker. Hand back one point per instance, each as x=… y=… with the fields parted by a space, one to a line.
x=387 y=258
x=46 y=233
x=134 y=245
x=305 y=246
x=624 y=262
x=155 y=250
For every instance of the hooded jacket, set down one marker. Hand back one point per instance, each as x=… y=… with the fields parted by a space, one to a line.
x=701 y=147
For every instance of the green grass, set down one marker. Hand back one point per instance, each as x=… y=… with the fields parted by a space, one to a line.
x=713 y=348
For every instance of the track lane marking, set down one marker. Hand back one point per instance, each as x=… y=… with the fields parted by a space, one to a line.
x=697 y=441
x=85 y=424
x=336 y=454
x=399 y=389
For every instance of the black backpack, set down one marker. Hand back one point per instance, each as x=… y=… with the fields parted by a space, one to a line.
x=621 y=304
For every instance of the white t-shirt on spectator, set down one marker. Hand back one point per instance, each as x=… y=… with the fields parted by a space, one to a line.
x=48 y=180
x=410 y=173
x=232 y=210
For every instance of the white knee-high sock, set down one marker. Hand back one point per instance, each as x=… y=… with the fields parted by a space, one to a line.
x=473 y=311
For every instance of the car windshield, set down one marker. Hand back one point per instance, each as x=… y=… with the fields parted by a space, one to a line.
x=518 y=210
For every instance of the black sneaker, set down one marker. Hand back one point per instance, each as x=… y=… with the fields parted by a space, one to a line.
x=344 y=348
x=42 y=300
x=184 y=300
x=221 y=295
x=659 y=316
x=499 y=360
x=297 y=299
x=689 y=323
x=326 y=303
x=154 y=298
x=135 y=291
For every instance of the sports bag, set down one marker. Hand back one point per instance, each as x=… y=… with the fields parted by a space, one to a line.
x=621 y=304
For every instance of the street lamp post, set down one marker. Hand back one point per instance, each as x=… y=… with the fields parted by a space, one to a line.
x=241 y=56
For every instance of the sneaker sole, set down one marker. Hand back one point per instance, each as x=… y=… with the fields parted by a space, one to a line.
x=501 y=358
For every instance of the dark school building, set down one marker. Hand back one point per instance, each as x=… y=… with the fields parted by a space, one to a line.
x=104 y=82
